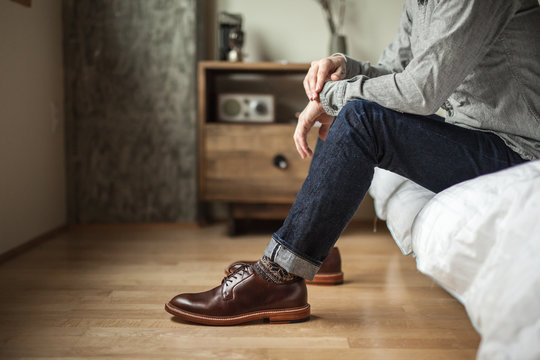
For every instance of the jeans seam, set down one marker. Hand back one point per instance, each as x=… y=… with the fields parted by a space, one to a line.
x=277 y=251
x=484 y=156
x=274 y=252
x=360 y=113
x=440 y=136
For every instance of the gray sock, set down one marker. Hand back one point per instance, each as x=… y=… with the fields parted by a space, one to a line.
x=272 y=272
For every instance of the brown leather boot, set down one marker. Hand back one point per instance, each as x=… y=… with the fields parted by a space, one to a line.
x=329 y=274
x=244 y=296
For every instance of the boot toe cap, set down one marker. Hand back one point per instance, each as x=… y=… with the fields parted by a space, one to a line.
x=200 y=303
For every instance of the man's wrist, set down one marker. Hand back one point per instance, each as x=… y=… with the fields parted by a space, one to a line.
x=332 y=96
x=320 y=109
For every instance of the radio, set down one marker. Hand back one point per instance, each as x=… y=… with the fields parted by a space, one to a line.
x=246 y=108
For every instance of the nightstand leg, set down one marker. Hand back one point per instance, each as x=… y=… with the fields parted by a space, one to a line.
x=232 y=224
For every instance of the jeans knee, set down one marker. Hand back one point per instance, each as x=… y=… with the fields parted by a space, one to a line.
x=360 y=115
x=361 y=108
x=357 y=125
x=358 y=105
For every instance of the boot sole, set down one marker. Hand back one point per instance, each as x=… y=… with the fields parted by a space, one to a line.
x=276 y=316
x=327 y=279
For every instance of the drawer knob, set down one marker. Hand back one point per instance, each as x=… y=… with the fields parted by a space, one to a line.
x=281 y=162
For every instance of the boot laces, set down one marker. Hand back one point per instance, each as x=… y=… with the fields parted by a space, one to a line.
x=235 y=275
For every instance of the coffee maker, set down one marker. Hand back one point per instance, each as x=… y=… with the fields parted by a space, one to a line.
x=231 y=37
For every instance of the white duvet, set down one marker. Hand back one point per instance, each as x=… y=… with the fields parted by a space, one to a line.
x=480 y=240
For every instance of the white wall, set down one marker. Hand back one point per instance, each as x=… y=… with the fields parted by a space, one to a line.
x=32 y=175
x=296 y=30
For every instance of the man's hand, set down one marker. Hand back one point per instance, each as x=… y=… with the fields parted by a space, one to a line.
x=312 y=113
x=332 y=68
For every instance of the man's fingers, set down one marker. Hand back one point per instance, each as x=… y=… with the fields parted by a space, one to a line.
x=307 y=118
x=318 y=73
x=312 y=80
x=296 y=138
x=302 y=145
x=306 y=86
x=338 y=74
x=323 y=74
x=300 y=140
x=325 y=68
x=308 y=81
x=299 y=147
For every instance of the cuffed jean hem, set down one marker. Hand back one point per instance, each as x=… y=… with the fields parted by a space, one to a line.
x=287 y=259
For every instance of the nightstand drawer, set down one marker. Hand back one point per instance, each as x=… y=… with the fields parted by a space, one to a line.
x=252 y=163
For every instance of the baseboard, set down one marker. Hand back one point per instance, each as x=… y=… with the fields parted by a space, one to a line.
x=24 y=247
x=377 y=225
x=136 y=226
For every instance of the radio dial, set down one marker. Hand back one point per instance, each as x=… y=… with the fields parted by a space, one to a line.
x=259 y=107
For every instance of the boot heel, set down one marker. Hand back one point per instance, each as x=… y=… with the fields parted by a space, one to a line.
x=291 y=315
x=327 y=279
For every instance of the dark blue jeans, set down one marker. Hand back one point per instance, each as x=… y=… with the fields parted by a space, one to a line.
x=365 y=135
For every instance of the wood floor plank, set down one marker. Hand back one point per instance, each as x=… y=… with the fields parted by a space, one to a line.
x=98 y=292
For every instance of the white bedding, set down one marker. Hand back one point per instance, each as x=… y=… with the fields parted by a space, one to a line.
x=480 y=240
x=398 y=201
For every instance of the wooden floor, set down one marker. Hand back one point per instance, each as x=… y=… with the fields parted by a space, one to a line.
x=99 y=292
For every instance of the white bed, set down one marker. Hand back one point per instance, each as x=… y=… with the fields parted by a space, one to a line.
x=480 y=240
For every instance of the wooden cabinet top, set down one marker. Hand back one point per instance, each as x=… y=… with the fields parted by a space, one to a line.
x=257 y=66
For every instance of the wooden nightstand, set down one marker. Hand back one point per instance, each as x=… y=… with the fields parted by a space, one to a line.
x=254 y=167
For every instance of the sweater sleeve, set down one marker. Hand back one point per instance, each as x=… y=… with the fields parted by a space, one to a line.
x=460 y=33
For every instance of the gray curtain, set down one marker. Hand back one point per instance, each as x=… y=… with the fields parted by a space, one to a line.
x=130 y=86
